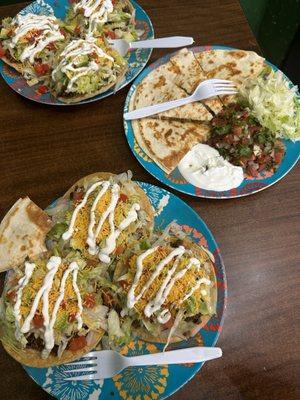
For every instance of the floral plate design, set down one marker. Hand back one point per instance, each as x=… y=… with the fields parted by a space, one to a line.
x=150 y=382
x=136 y=61
x=176 y=181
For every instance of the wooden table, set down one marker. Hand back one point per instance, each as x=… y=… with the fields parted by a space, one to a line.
x=45 y=149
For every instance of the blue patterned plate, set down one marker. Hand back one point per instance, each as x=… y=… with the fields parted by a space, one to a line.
x=136 y=61
x=176 y=181
x=153 y=382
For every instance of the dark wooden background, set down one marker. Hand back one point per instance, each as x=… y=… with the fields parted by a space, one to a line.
x=44 y=149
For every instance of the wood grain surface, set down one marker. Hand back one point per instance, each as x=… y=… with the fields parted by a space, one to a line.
x=44 y=149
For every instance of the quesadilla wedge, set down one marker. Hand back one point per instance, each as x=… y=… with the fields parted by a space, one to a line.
x=29 y=42
x=158 y=87
x=167 y=141
x=113 y=18
x=84 y=69
x=191 y=73
x=22 y=233
x=234 y=65
x=100 y=216
x=50 y=310
x=169 y=288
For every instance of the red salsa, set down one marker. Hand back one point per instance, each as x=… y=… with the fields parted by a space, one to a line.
x=241 y=140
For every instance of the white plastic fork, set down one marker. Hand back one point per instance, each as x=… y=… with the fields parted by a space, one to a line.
x=205 y=90
x=107 y=363
x=122 y=46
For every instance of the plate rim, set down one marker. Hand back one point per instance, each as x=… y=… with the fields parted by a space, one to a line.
x=224 y=280
x=128 y=130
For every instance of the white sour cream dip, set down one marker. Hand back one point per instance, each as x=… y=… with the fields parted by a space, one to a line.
x=205 y=168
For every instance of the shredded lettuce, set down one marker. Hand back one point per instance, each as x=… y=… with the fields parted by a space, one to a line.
x=274 y=103
x=96 y=318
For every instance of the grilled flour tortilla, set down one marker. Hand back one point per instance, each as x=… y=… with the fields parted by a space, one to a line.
x=170 y=288
x=234 y=65
x=167 y=141
x=84 y=69
x=22 y=233
x=29 y=42
x=100 y=216
x=50 y=311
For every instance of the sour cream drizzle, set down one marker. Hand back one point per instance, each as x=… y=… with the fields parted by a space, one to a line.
x=109 y=213
x=52 y=267
x=96 y=10
x=32 y=22
x=29 y=268
x=70 y=59
x=49 y=325
x=200 y=282
x=49 y=322
x=131 y=298
x=167 y=284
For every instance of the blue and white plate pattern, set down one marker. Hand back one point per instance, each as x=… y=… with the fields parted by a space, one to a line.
x=152 y=382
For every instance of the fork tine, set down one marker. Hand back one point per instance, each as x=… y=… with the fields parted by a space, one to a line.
x=89 y=369
x=88 y=377
x=226 y=92
x=214 y=80
x=86 y=362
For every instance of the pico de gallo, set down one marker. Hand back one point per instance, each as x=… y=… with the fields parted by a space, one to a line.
x=241 y=140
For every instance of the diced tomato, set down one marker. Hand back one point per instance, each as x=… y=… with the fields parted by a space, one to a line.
x=2 y=51
x=38 y=321
x=11 y=295
x=77 y=343
x=41 y=69
x=78 y=196
x=262 y=167
x=42 y=89
x=51 y=46
x=77 y=30
x=278 y=156
x=244 y=115
x=119 y=249
x=253 y=129
x=89 y=301
x=169 y=324
x=107 y=298
x=237 y=130
x=123 y=197
x=62 y=31
x=123 y=283
x=111 y=34
x=251 y=170
x=217 y=121
x=72 y=317
x=63 y=305
x=229 y=139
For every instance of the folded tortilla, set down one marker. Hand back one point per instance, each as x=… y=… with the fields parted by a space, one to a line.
x=22 y=233
x=167 y=141
x=162 y=85
x=234 y=65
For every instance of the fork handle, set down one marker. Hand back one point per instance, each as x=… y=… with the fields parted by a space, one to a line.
x=188 y=355
x=157 y=108
x=168 y=42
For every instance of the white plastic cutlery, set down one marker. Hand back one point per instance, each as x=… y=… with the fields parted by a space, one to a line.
x=205 y=90
x=122 y=46
x=107 y=363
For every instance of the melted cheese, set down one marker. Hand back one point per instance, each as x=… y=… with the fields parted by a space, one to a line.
x=85 y=228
